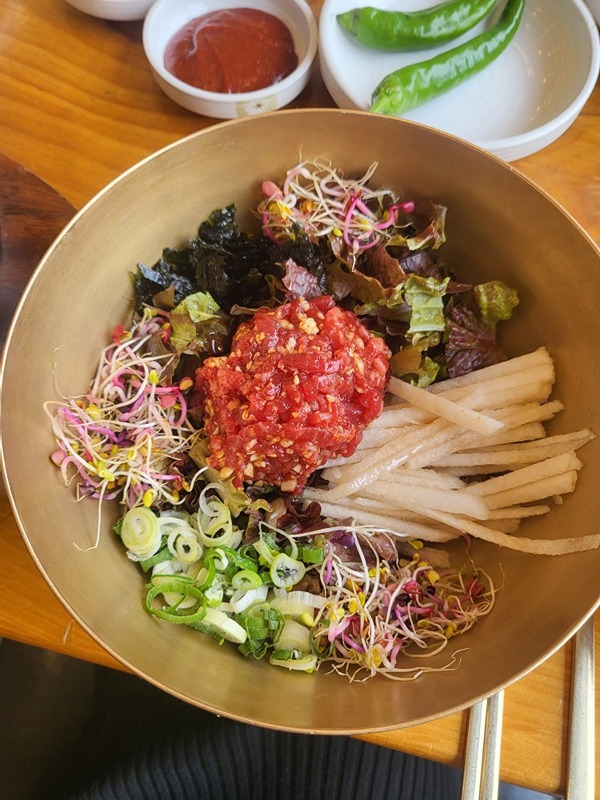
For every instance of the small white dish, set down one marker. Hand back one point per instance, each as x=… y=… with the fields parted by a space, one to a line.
x=166 y=17
x=517 y=105
x=118 y=10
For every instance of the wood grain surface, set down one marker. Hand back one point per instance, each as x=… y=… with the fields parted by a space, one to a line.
x=79 y=106
x=31 y=214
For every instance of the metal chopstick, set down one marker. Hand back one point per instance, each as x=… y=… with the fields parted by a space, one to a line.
x=472 y=772
x=492 y=746
x=482 y=758
x=581 y=750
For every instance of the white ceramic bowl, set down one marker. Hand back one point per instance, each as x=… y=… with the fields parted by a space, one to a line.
x=166 y=17
x=517 y=105
x=120 y=10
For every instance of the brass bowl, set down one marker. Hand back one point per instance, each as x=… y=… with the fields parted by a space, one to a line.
x=499 y=226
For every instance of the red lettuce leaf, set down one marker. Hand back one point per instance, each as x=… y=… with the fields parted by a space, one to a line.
x=471 y=344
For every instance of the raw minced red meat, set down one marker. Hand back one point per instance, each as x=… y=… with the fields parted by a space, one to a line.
x=299 y=386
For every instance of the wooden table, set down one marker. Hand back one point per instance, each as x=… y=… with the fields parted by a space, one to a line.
x=79 y=106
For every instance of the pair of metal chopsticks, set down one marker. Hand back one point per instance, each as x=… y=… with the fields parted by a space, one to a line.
x=482 y=758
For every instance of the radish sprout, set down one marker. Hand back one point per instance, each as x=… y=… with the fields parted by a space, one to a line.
x=316 y=199
x=123 y=440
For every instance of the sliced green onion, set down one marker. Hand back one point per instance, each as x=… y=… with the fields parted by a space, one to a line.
x=215 y=523
x=260 y=616
x=286 y=571
x=294 y=636
x=176 y=613
x=253 y=647
x=184 y=545
x=311 y=553
x=222 y=557
x=158 y=558
x=257 y=628
x=164 y=574
x=206 y=575
x=214 y=594
x=287 y=655
x=266 y=548
x=244 y=598
x=242 y=562
x=217 y=624
x=306 y=663
x=306 y=598
x=140 y=533
x=297 y=604
x=246 y=579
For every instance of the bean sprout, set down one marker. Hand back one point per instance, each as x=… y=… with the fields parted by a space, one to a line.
x=316 y=199
x=125 y=438
x=376 y=610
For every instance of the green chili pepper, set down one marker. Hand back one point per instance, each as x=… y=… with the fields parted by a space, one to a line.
x=413 y=30
x=414 y=84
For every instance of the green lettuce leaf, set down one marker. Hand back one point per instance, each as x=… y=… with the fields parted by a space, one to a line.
x=495 y=301
x=411 y=365
x=197 y=325
x=425 y=296
x=200 y=307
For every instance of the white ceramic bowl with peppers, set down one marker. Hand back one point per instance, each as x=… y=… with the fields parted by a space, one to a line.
x=518 y=104
x=167 y=18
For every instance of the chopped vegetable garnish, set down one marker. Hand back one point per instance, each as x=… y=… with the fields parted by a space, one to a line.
x=278 y=489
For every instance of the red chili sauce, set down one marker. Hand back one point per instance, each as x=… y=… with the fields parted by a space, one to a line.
x=233 y=50
x=299 y=386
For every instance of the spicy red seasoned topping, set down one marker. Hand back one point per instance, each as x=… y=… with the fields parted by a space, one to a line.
x=299 y=386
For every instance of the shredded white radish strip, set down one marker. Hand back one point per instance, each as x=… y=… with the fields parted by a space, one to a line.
x=571 y=441
x=417 y=472
x=357 y=456
x=466 y=441
x=513 y=415
x=527 y=432
x=479 y=471
x=423 y=477
x=526 y=475
x=453 y=441
x=390 y=455
x=376 y=437
x=404 y=529
x=441 y=407
x=400 y=414
x=531 y=392
x=518 y=512
x=508 y=368
x=427 y=497
x=460 y=440
x=533 y=452
x=478 y=395
x=537 y=490
x=549 y=547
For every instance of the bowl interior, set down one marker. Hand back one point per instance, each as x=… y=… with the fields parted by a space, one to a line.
x=499 y=226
